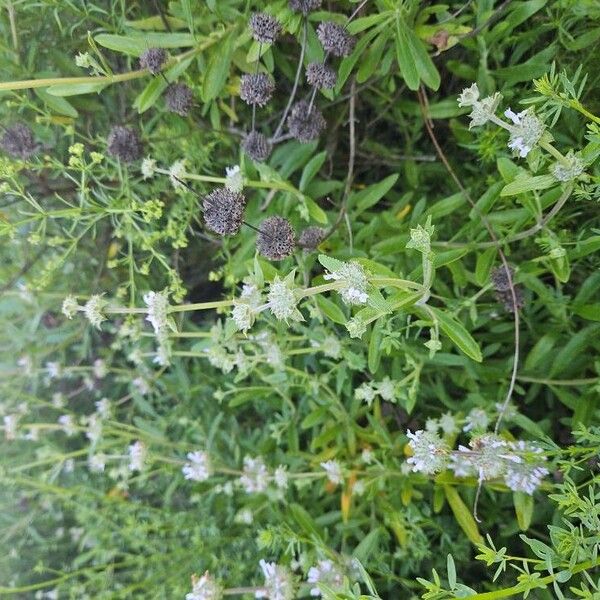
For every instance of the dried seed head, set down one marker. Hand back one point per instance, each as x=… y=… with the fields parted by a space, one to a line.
x=304 y=124
x=502 y=287
x=256 y=146
x=311 y=237
x=304 y=6
x=320 y=76
x=179 y=99
x=256 y=88
x=499 y=278
x=265 y=28
x=124 y=143
x=18 y=141
x=335 y=39
x=224 y=211
x=275 y=239
x=153 y=59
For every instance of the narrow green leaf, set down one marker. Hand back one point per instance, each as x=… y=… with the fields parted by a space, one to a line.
x=368 y=197
x=463 y=515
x=218 y=69
x=458 y=334
x=136 y=44
x=527 y=184
x=523 y=509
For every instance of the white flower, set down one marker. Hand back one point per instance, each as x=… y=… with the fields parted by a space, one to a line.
x=283 y=300
x=10 y=426
x=198 y=467
x=148 y=167
x=526 y=474
x=366 y=392
x=483 y=459
x=103 y=408
x=137 y=456
x=356 y=327
x=386 y=389
x=54 y=370
x=176 y=173
x=99 y=369
x=281 y=477
x=93 y=310
x=359 y=488
x=430 y=452
x=255 y=478
x=70 y=306
x=245 y=307
x=94 y=428
x=469 y=96
x=525 y=132
x=97 y=462
x=367 y=456
x=354 y=280
x=142 y=386
x=83 y=59
x=205 y=588
x=331 y=347
x=484 y=110
x=67 y=424
x=325 y=572
x=432 y=425
x=279 y=582
x=234 y=180
x=569 y=169
x=158 y=306
x=244 y=516
x=448 y=424
x=334 y=471
x=476 y=420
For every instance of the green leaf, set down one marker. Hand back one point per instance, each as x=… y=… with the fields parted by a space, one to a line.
x=523 y=509
x=136 y=44
x=451 y=569
x=366 y=198
x=374 y=357
x=217 y=71
x=331 y=264
x=368 y=545
x=458 y=334
x=463 y=515
x=63 y=89
x=311 y=169
x=413 y=59
x=315 y=211
x=56 y=103
x=305 y=521
x=528 y=183
x=331 y=310
x=485 y=260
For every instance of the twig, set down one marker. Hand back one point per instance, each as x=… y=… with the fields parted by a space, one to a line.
x=491 y=19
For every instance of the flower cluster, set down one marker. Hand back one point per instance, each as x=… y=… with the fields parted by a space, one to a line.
x=386 y=389
x=354 y=282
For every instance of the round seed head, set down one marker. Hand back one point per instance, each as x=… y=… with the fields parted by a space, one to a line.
x=179 y=99
x=18 y=141
x=124 y=143
x=275 y=239
x=304 y=6
x=265 y=28
x=335 y=39
x=153 y=59
x=500 y=279
x=256 y=88
x=320 y=76
x=311 y=237
x=224 y=211
x=256 y=146
x=304 y=124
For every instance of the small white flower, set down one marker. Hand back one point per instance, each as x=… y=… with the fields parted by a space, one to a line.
x=10 y=426
x=255 y=477
x=281 y=477
x=103 y=408
x=94 y=428
x=356 y=327
x=100 y=370
x=244 y=516
x=476 y=420
x=432 y=425
x=469 y=96
x=331 y=347
x=93 y=310
x=367 y=456
x=527 y=473
x=177 y=173
x=158 y=307
x=569 y=169
x=68 y=424
x=148 y=168
x=448 y=424
x=484 y=110
x=26 y=364
x=198 y=467
x=205 y=588
x=54 y=370
x=70 y=306
x=325 y=572
x=366 y=392
x=334 y=471
x=359 y=488
x=142 y=386
x=430 y=452
x=137 y=456
x=386 y=389
x=234 y=180
x=525 y=132
x=97 y=462
x=279 y=582
x=483 y=459
x=355 y=282
x=282 y=300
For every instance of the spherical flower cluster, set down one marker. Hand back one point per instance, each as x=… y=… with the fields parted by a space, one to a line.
x=153 y=59
x=256 y=88
x=354 y=282
x=482 y=110
x=335 y=39
x=70 y=307
x=276 y=239
x=68 y=425
x=305 y=123
x=255 y=477
x=158 y=307
x=526 y=131
x=283 y=300
x=327 y=572
x=93 y=310
x=246 y=307
x=265 y=28
x=137 y=456
x=321 y=76
x=304 y=6
x=148 y=168
x=198 y=468
x=256 y=146
x=569 y=169
x=18 y=141
x=205 y=588
x=476 y=420
x=333 y=470
x=179 y=99
x=280 y=477
x=279 y=582
x=124 y=143
x=97 y=462
x=224 y=211
x=430 y=452
x=525 y=475
x=177 y=173
x=311 y=237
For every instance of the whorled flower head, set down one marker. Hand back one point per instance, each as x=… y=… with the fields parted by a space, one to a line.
x=70 y=306
x=335 y=39
x=148 y=167
x=265 y=28
x=356 y=327
x=327 y=572
x=305 y=123
x=153 y=59
x=18 y=141
x=304 y=6
x=283 y=300
x=198 y=466
x=245 y=307
x=255 y=477
x=569 y=169
x=430 y=452
x=275 y=240
x=234 y=180
x=476 y=420
x=311 y=237
x=256 y=88
x=256 y=146
x=502 y=287
x=205 y=588
x=525 y=132
x=124 y=143
x=321 y=76
x=179 y=99
x=93 y=310
x=525 y=470
x=482 y=110
x=177 y=173
x=224 y=211
x=137 y=456
x=469 y=96
x=158 y=308
x=355 y=282
x=279 y=582
x=333 y=470
x=483 y=459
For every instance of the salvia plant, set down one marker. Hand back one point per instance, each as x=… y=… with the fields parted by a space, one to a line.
x=300 y=299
